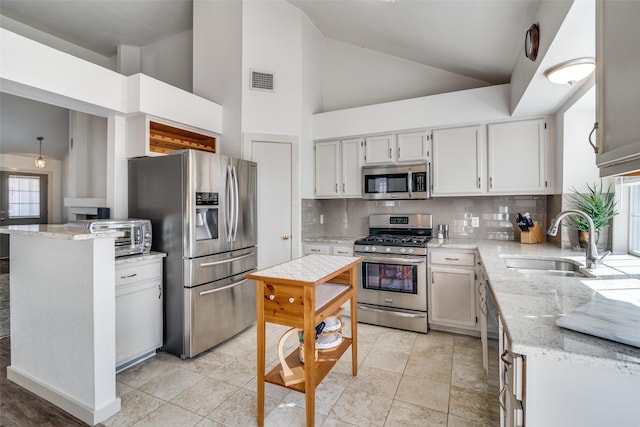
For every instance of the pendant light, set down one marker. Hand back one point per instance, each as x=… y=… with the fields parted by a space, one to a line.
x=40 y=162
x=572 y=71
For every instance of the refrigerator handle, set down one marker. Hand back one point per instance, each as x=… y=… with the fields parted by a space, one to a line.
x=230 y=204
x=236 y=202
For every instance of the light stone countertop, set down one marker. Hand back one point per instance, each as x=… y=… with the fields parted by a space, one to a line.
x=530 y=304
x=336 y=240
x=57 y=231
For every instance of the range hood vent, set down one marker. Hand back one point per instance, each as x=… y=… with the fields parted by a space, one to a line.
x=261 y=80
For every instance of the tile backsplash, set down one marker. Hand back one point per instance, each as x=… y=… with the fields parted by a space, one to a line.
x=473 y=217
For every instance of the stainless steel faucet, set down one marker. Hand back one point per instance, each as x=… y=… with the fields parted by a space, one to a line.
x=593 y=260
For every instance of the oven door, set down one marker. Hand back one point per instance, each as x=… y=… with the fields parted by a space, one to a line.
x=394 y=281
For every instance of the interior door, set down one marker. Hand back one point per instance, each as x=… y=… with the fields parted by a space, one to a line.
x=274 y=201
x=23 y=200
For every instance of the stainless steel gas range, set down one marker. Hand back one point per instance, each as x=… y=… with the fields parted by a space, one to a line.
x=393 y=275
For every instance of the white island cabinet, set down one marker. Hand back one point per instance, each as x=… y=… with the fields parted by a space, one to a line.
x=139 y=296
x=63 y=335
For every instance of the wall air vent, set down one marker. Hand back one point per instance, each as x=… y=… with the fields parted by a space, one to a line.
x=261 y=80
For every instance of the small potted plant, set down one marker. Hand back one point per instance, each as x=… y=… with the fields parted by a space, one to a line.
x=598 y=204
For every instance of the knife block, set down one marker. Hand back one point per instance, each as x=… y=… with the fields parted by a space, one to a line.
x=534 y=235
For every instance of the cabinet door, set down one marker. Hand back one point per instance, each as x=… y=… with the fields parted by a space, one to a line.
x=411 y=147
x=379 y=149
x=138 y=320
x=351 y=167
x=327 y=168
x=517 y=154
x=618 y=86
x=458 y=161
x=452 y=297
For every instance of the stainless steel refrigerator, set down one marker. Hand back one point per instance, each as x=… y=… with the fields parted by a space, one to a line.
x=202 y=208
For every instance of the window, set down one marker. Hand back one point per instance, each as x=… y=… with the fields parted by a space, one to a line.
x=23 y=196
x=634 y=219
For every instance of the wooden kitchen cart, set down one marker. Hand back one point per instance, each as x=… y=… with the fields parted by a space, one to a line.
x=301 y=293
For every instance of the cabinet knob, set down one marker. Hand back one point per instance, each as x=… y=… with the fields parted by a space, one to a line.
x=272 y=297
x=291 y=300
x=285 y=237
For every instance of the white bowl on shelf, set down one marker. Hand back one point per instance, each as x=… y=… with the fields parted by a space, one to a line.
x=331 y=324
x=328 y=342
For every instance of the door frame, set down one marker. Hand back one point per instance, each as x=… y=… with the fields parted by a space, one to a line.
x=246 y=151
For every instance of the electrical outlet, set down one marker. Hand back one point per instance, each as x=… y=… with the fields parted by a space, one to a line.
x=321 y=219
x=475 y=221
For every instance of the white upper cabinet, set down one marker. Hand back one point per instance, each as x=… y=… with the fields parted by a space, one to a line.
x=458 y=161
x=517 y=153
x=513 y=160
x=618 y=86
x=379 y=149
x=327 y=168
x=338 y=166
x=410 y=147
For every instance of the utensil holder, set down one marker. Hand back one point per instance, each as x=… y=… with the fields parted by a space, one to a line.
x=534 y=235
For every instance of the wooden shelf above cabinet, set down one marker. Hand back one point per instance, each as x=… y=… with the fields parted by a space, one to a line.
x=164 y=139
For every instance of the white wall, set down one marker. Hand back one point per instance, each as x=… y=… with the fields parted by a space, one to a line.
x=170 y=60
x=356 y=76
x=312 y=99
x=217 y=64
x=271 y=42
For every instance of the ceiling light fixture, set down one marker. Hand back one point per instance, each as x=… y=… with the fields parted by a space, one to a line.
x=571 y=71
x=40 y=162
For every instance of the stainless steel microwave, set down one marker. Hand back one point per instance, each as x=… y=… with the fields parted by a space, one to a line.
x=396 y=182
x=137 y=233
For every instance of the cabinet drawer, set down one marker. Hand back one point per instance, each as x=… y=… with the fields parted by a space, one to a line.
x=452 y=258
x=342 y=250
x=137 y=272
x=317 y=249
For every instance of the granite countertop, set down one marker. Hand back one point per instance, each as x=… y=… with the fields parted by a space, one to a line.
x=338 y=240
x=57 y=231
x=529 y=304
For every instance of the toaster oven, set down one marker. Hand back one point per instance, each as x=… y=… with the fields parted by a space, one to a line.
x=136 y=238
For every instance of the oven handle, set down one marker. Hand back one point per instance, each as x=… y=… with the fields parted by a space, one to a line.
x=395 y=313
x=397 y=260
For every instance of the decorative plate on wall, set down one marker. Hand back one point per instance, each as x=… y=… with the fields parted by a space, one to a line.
x=531 y=42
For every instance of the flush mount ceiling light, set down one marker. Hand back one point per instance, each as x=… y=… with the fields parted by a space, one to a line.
x=40 y=162
x=571 y=71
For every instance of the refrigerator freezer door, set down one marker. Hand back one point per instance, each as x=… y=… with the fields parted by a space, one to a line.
x=218 y=311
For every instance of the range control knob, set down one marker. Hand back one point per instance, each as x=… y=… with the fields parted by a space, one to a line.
x=410 y=250
x=366 y=248
x=387 y=249
x=403 y=250
x=147 y=235
x=373 y=248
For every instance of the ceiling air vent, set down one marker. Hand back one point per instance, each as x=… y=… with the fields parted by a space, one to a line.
x=261 y=80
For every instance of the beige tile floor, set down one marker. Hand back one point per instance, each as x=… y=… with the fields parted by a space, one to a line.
x=404 y=379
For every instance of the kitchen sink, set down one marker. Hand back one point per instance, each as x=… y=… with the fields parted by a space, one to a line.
x=544 y=266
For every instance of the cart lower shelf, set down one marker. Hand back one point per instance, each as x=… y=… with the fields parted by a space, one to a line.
x=326 y=360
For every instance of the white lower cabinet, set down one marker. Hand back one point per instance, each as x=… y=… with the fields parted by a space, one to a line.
x=452 y=291
x=138 y=310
